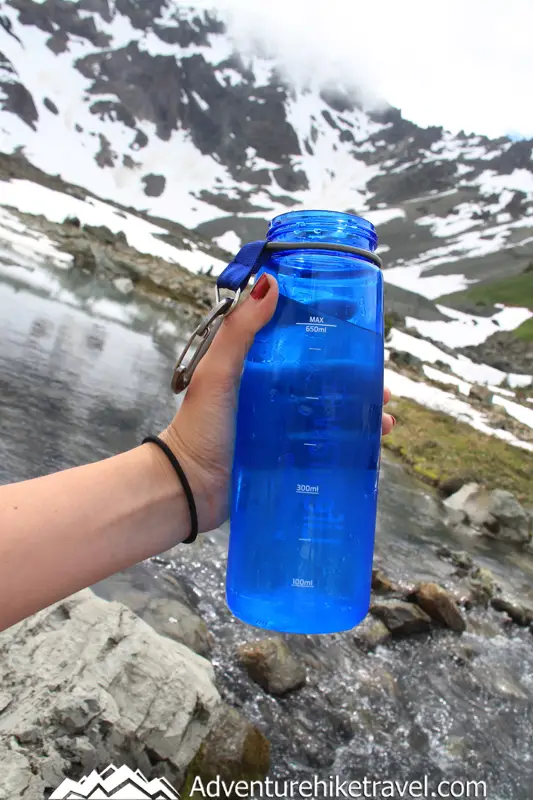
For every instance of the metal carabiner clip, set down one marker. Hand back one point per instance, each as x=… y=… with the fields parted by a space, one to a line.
x=207 y=331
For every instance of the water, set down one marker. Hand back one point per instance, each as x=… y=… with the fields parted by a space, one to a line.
x=83 y=371
x=76 y=386
x=306 y=476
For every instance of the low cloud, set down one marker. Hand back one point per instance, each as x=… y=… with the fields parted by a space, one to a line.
x=461 y=65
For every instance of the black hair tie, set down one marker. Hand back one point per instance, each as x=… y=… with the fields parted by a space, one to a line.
x=184 y=482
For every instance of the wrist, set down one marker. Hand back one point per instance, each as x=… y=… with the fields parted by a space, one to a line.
x=166 y=489
x=193 y=473
x=182 y=478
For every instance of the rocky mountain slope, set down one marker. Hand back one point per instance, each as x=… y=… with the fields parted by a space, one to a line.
x=143 y=117
x=149 y=105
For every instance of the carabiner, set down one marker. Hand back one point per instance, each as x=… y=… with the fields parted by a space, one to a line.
x=207 y=331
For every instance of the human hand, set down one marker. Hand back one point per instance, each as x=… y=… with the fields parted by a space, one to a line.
x=202 y=432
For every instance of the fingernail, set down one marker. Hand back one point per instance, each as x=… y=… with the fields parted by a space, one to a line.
x=393 y=420
x=261 y=288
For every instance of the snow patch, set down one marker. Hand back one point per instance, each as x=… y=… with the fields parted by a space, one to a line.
x=460 y=365
x=500 y=390
x=470 y=244
x=449 y=148
x=520 y=180
x=262 y=69
x=229 y=241
x=230 y=76
x=433 y=286
x=337 y=178
x=382 y=216
x=257 y=162
x=453 y=224
x=121 y=30
x=17 y=240
x=444 y=377
x=464 y=329
x=142 y=235
x=440 y=400
x=200 y=100
x=520 y=413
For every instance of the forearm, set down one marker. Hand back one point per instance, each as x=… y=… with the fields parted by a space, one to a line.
x=66 y=531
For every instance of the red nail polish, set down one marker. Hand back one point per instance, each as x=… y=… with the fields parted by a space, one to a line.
x=261 y=288
x=393 y=420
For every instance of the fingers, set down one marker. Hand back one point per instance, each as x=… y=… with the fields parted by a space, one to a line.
x=224 y=360
x=387 y=424
x=222 y=365
x=388 y=421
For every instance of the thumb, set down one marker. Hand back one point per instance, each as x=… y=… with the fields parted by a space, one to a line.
x=224 y=360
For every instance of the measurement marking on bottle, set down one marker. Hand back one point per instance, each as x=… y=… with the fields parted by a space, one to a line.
x=303 y=584
x=317 y=540
x=312 y=398
x=317 y=321
x=310 y=444
x=316 y=325
x=315 y=348
x=304 y=488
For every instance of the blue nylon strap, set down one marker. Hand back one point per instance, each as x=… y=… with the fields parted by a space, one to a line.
x=248 y=260
x=245 y=264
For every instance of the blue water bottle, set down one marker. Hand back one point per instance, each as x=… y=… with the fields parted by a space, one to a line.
x=306 y=466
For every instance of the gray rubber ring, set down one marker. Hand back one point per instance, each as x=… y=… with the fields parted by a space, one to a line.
x=343 y=248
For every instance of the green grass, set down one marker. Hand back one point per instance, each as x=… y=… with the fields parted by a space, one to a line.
x=517 y=290
x=525 y=330
x=436 y=447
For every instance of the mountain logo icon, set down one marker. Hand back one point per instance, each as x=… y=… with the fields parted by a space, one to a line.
x=115 y=782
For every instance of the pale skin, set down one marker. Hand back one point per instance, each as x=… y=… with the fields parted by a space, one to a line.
x=65 y=531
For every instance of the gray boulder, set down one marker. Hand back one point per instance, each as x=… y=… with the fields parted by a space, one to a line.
x=404 y=359
x=233 y=751
x=459 y=558
x=124 y=285
x=271 y=664
x=401 y=618
x=167 y=609
x=513 y=523
x=480 y=393
x=86 y=683
x=174 y=619
x=520 y=614
x=483 y=586
x=440 y=606
x=497 y=513
x=461 y=498
x=382 y=584
x=456 y=505
x=371 y=633
x=453 y=483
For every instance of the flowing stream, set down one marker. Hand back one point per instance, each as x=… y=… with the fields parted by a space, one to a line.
x=84 y=373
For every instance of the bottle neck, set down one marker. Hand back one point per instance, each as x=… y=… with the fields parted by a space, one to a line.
x=323 y=226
